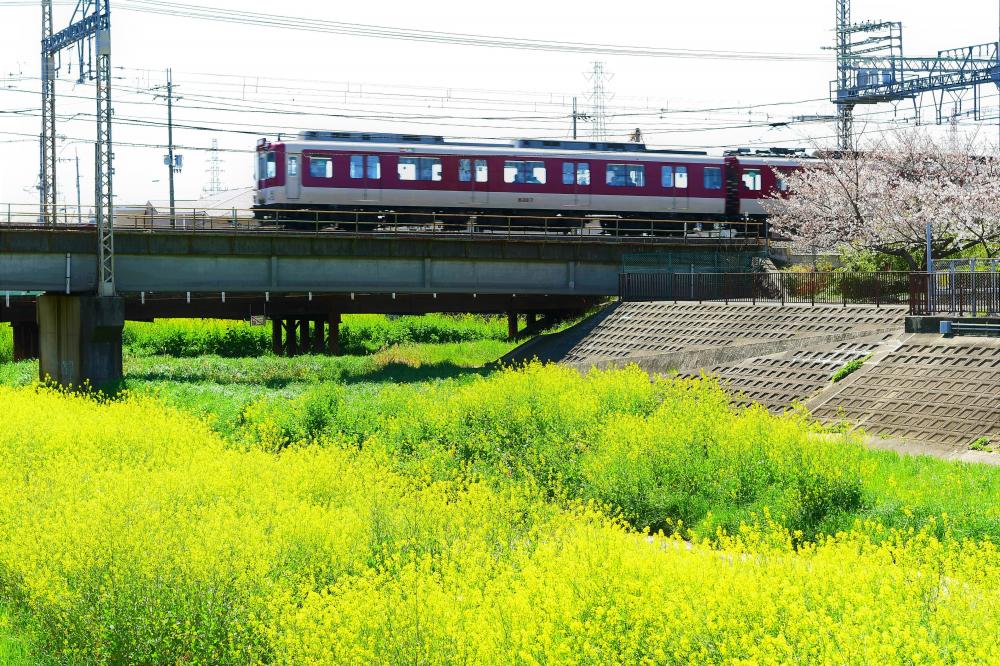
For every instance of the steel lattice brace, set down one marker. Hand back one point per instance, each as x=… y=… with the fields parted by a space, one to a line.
x=105 y=171
x=47 y=171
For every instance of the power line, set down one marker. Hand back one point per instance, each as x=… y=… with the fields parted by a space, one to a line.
x=243 y=17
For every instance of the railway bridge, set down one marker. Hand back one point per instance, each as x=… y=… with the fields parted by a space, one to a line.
x=302 y=282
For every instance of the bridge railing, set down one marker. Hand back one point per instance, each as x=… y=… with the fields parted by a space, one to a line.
x=973 y=293
x=393 y=223
x=827 y=288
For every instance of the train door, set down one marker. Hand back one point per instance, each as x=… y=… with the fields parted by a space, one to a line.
x=582 y=192
x=473 y=178
x=681 y=201
x=577 y=176
x=373 y=178
x=293 y=182
x=366 y=177
x=480 y=182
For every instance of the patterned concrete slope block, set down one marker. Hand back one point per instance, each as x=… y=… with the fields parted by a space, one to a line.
x=932 y=389
x=646 y=329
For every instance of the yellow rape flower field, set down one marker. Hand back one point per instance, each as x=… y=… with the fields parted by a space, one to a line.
x=502 y=520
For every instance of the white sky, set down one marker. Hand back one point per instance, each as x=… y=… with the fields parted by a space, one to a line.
x=529 y=91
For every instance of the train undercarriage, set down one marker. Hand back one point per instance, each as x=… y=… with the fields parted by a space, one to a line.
x=371 y=219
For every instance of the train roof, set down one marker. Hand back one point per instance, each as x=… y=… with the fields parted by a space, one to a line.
x=433 y=143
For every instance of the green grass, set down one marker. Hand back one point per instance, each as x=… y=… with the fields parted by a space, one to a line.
x=359 y=334
x=219 y=389
x=17 y=648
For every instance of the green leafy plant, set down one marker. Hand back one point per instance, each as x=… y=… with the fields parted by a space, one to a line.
x=849 y=368
x=982 y=444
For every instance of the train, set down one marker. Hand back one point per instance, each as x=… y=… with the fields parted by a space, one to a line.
x=363 y=180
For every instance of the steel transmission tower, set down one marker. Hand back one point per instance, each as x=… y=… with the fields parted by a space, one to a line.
x=598 y=100
x=91 y=26
x=214 y=171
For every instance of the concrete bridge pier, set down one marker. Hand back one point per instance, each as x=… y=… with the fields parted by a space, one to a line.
x=310 y=334
x=25 y=340
x=80 y=339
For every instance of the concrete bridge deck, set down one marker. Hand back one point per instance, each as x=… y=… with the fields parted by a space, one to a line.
x=181 y=261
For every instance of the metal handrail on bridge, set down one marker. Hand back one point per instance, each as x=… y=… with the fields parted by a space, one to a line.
x=487 y=226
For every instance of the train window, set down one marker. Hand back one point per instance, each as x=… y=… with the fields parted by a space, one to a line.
x=357 y=166
x=576 y=172
x=419 y=168
x=667 y=176
x=374 y=167
x=713 y=178
x=465 y=171
x=751 y=179
x=321 y=167
x=268 y=166
x=626 y=175
x=681 y=178
x=782 y=184
x=293 y=165
x=482 y=171
x=527 y=173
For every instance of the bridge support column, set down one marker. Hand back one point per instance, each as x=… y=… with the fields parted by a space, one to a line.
x=512 y=325
x=304 y=336
x=276 y=346
x=291 y=337
x=333 y=341
x=80 y=339
x=319 y=336
x=291 y=332
x=25 y=340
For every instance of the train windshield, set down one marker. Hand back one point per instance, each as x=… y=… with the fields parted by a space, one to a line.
x=267 y=166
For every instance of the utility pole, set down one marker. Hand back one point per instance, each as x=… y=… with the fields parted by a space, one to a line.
x=574 y=118
x=577 y=116
x=170 y=145
x=79 y=201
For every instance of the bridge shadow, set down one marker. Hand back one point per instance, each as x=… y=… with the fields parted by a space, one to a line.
x=401 y=373
x=391 y=373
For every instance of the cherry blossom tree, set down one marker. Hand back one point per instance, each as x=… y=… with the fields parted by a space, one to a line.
x=881 y=198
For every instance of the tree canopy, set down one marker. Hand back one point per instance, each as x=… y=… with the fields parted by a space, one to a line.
x=881 y=198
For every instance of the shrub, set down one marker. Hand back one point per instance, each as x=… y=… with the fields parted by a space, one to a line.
x=6 y=343
x=861 y=287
